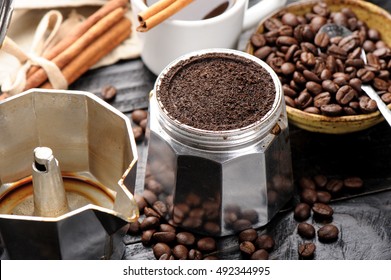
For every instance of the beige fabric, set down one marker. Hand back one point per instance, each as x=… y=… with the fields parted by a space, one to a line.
x=33 y=29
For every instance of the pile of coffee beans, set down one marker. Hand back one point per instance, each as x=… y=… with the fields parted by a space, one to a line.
x=315 y=194
x=323 y=75
x=140 y=119
x=254 y=246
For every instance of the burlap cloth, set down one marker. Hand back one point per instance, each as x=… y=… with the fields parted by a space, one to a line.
x=37 y=24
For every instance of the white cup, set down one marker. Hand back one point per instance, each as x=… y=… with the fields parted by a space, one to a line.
x=186 y=31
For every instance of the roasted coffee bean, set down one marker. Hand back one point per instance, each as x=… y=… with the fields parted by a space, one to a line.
x=251 y=215
x=367 y=105
x=141 y=203
x=263 y=52
x=313 y=87
x=334 y=185
x=248 y=235
x=166 y=257
x=307 y=58
x=310 y=76
x=312 y=110
x=349 y=43
x=309 y=47
x=265 y=241
x=356 y=84
x=143 y=124
x=180 y=252
x=258 y=40
x=337 y=52
x=328 y=233
x=302 y=211
x=195 y=254
x=212 y=228
x=167 y=228
x=290 y=52
x=149 y=197
x=307 y=183
x=306 y=250
x=321 y=9
x=150 y=212
x=287 y=68
x=308 y=196
x=373 y=34
x=323 y=197
x=149 y=223
x=317 y=22
x=345 y=94
x=286 y=41
x=146 y=237
x=365 y=75
x=290 y=19
x=139 y=115
x=331 y=110
x=206 y=244
x=380 y=84
x=164 y=236
x=353 y=183
x=322 y=99
x=160 y=249
x=306 y=230
x=154 y=186
x=304 y=99
x=340 y=19
x=108 y=93
x=241 y=224
x=289 y=101
x=285 y=30
x=247 y=248
x=288 y=91
x=369 y=46
x=322 y=39
x=320 y=181
x=134 y=228
x=299 y=78
x=272 y=24
x=161 y=208
x=260 y=254
x=138 y=133
x=322 y=210
x=386 y=97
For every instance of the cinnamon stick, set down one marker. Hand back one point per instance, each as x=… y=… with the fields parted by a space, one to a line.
x=94 y=52
x=155 y=15
x=81 y=29
x=61 y=60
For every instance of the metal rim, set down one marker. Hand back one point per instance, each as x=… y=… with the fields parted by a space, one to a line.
x=6 y=9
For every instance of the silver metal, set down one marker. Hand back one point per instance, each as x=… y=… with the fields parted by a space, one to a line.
x=6 y=9
x=334 y=30
x=48 y=187
x=208 y=177
x=94 y=145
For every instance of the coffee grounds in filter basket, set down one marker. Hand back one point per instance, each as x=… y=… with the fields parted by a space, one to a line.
x=217 y=91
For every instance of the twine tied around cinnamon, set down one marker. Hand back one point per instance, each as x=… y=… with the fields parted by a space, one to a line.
x=48 y=31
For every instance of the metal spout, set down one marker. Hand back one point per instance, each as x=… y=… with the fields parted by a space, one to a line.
x=48 y=187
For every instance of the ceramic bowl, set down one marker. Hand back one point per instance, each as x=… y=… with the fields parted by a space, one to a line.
x=376 y=18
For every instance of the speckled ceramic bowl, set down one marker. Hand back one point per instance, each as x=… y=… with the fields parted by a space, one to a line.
x=376 y=18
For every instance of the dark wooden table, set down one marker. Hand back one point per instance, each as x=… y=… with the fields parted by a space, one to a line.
x=364 y=219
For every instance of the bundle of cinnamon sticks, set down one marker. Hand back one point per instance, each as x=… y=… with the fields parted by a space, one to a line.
x=94 y=38
x=159 y=12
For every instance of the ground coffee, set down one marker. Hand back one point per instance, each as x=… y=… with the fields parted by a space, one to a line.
x=217 y=91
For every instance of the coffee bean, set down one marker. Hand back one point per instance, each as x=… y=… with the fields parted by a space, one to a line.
x=317 y=22
x=206 y=244
x=312 y=110
x=167 y=228
x=322 y=40
x=323 y=98
x=161 y=208
x=320 y=181
x=353 y=183
x=195 y=254
x=260 y=254
x=367 y=105
x=290 y=19
x=150 y=212
x=334 y=185
x=308 y=196
x=302 y=211
x=166 y=257
x=365 y=75
x=180 y=252
x=258 y=40
x=250 y=214
x=139 y=115
x=355 y=83
x=307 y=250
x=160 y=249
x=310 y=76
x=321 y=9
x=328 y=233
x=286 y=41
x=185 y=238
x=386 y=97
x=149 y=223
x=134 y=228
x=331 y=110
x=149 y=197
x=289 y=101
x=138 y=133
x=306 y=230
x=248 y=235
x=313 y=87
x=241 y=224
x=323 y=197
x=263 y=52
x=330 y=86
x=108 y=93
x=141 y=203
x=164 y=236
x=322 y=210
x=265 y=241
x=247 y=248
x=304 y=99
x=345 y=94
x=287 y=68
x=146 y=237
x=307 y=183
x=272 y=24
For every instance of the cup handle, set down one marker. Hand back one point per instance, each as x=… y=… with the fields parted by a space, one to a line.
x=260 y=10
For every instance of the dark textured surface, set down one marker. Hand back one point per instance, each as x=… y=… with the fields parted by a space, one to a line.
x=364 y=220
